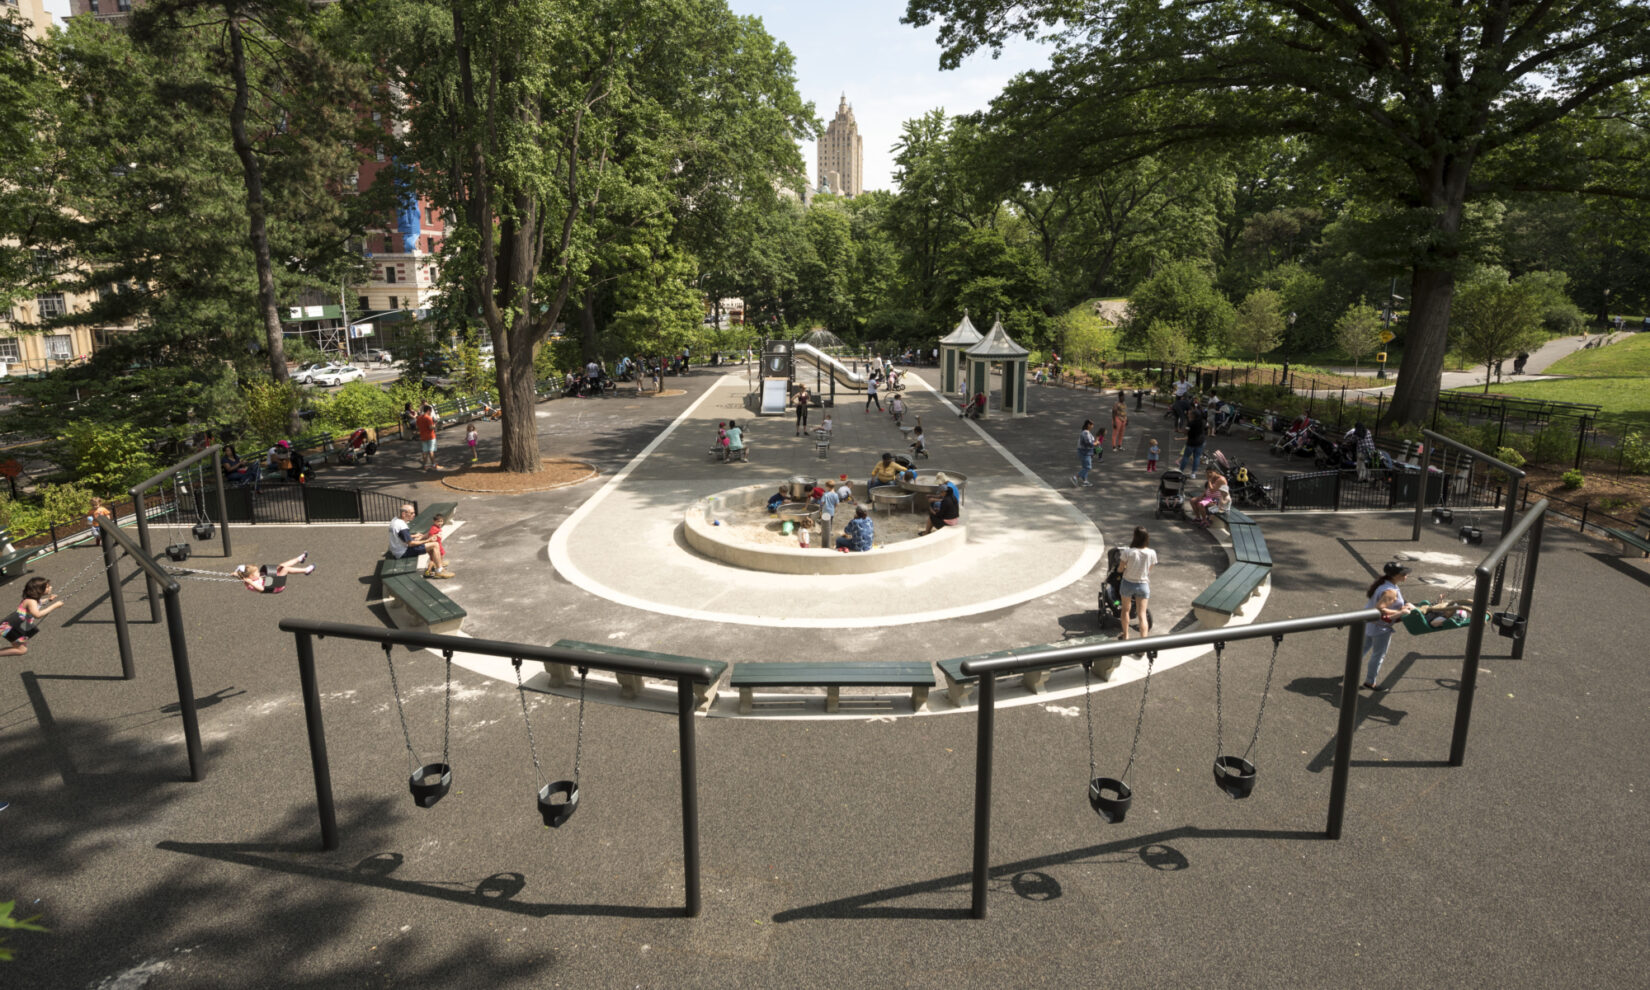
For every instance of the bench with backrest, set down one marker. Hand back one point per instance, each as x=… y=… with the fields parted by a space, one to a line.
x=958 y=685
x=1635 y=537
x=630 y=685
x=448 y=413
x=833 y=677
x=416 y=603
x=13 y=561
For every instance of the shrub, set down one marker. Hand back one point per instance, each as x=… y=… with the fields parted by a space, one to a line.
x=107 y=458
x=355 y=405
x=1556 y=444
x=1571 y=479
x=1635 y=453
x=1510 y=455
x=269 y=407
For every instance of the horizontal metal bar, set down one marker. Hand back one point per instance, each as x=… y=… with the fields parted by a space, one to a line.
x=1516 y=533
x=154 y=570
x=1062 y=656
x=669 y=670
x=1478 y=455
x=138 y=489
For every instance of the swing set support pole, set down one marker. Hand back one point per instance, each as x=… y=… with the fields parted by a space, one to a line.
x=986 y=728
x=317 y=741
x=685 y=703
x=186 y=682
x=223 y=502
x=117 y=604
x=1527 y=592
x=1343 y=732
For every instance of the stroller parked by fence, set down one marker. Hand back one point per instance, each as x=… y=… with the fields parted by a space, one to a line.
x=1247 y=491
x=1170 y=493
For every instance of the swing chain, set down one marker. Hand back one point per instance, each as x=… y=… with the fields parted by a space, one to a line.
x=532 y=745
x=447 y=716
x=1140 y=719
x=1220 y=647
x=1088 y=711
x=1265 y=692
x=401 y=709
x=74 y=581
x=578 y=745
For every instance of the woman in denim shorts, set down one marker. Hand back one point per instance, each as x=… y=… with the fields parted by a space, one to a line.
x=1135 y=589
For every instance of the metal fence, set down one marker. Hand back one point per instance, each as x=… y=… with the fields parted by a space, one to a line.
x=293 y=503
x=1386 y=488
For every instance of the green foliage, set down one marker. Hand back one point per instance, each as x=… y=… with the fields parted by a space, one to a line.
x=1085 y=338
x=1166 y=342
x=67 y=503
x=1555 y=444
x=1510 y=455
x=1259 y=325
x=1358 y=332
x=1572 y=479
x=10 y=923
x=1635 y=452
x=356 y=405
x=269 y=407
x=1494 y=319
x=1182 y=293
x=107 y=459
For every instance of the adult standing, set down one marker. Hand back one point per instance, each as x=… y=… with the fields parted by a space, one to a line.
x=425 y=425
x=1119 y=419
x=1138 y=559
x=1386 y=595
x=871 y=394
x=1196 y=434
x=1085 y=455
x=802 y=400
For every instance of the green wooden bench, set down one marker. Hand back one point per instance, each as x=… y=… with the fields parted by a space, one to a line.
x=958 y=685
x=1220 y=600
x=630 y=685
x=393 y=566
x=421 y=523
x=919 y=677
x=1248 y=546
x=420 y=603
x=1631 y=537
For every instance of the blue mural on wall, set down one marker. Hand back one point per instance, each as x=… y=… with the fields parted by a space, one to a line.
x=407 y=216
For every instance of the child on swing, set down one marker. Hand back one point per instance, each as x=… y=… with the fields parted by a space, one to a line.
x=17 y=627
x=270 y=579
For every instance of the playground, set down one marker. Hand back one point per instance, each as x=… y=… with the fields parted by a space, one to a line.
x=829 y=847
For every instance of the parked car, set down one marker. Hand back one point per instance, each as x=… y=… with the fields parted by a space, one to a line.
x=379 y=354
x=339 y=375
x=309 y=375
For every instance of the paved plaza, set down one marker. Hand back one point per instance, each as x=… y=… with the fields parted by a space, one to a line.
x=835 y=849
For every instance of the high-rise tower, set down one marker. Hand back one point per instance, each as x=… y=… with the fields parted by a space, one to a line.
x=840 y=151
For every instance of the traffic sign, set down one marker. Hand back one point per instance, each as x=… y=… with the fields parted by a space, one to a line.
x=1386 y=336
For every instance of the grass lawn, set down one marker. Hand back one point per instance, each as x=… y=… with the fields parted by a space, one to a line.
x=1616 y=378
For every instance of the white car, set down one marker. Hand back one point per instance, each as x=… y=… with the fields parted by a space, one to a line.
x=338 y=375
x=307 y=374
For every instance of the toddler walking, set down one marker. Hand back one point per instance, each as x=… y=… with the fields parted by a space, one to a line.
x=471 y=438
x=1151 y=455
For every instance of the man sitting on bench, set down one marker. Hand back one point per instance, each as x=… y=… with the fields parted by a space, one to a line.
x=405 y=543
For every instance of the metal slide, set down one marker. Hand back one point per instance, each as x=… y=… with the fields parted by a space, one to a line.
x=836 y=369
x=773 y=395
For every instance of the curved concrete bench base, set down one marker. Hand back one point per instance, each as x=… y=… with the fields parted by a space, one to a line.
x=698 y=526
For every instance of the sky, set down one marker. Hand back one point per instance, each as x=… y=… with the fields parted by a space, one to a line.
x=889 y=71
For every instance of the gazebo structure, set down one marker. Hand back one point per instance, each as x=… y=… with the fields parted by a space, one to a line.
x=997 y=347
x=952 y=347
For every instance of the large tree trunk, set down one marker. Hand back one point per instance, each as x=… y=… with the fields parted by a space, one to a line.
x=1425 y=343
x=587 y=327
x=515 y=386
x=252 y=176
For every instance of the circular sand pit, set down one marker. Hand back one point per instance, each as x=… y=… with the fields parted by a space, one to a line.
x=734 y=527
x=553 y=473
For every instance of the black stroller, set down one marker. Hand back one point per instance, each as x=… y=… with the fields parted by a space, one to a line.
x=1170 y=493
x=1110 y=604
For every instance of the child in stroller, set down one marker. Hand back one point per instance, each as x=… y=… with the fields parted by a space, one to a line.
x=1170 y=493
x=358 y=449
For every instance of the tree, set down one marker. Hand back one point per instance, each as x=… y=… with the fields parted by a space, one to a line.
x=550 y=133
x=1358 y=332
x=1494 y=319
x=1085 y=338
x=1258 y=327
x=1423 y=105
x=1182 y=293
x=1168 y=343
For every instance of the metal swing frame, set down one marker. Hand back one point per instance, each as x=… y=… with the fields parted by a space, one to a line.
x=686 y=675
x=1508 y=512
x=139 y=490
